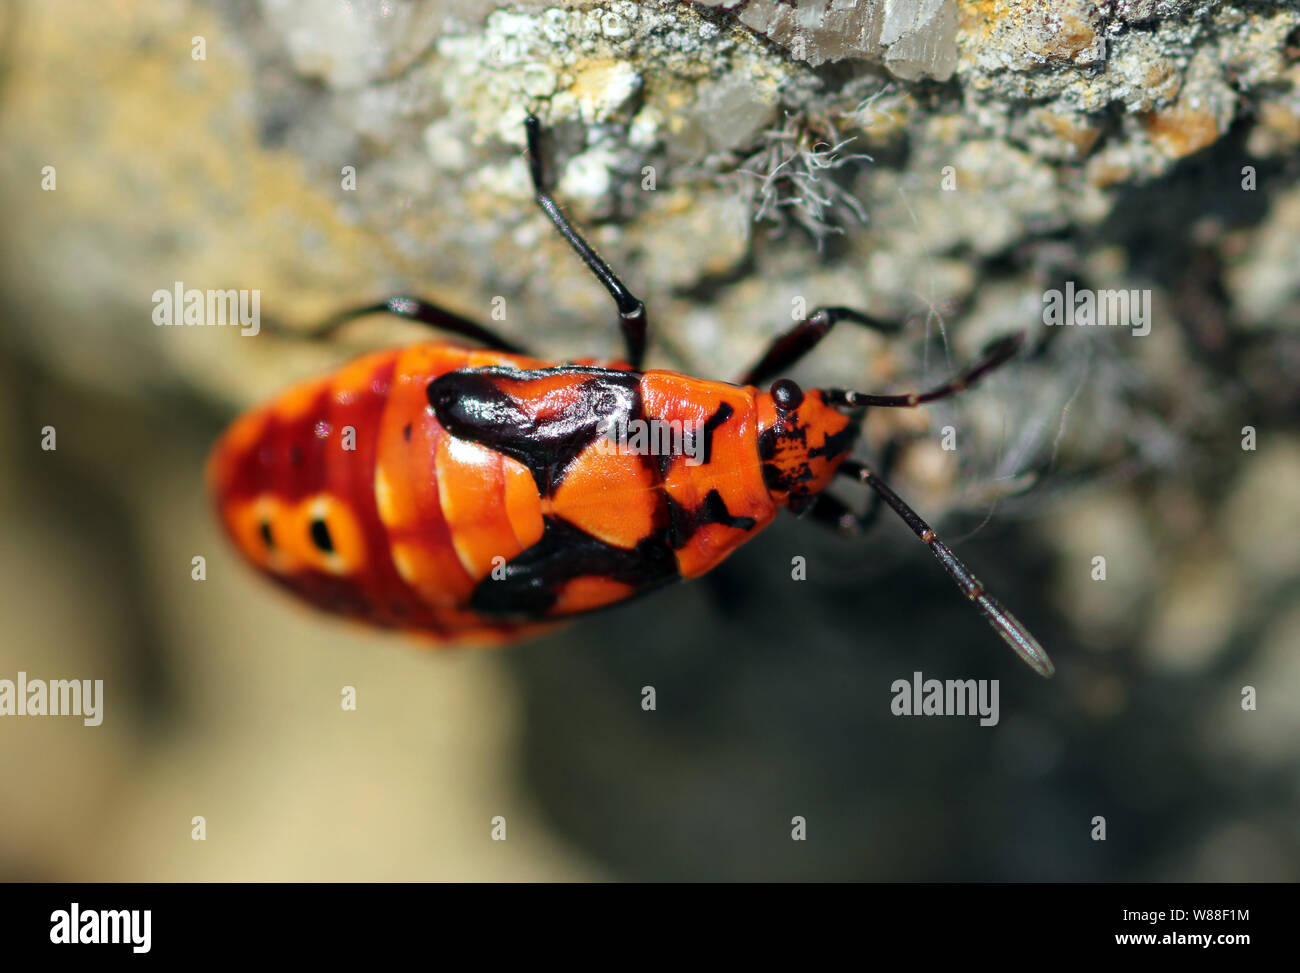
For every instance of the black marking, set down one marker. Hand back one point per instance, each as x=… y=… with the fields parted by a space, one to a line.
x=776 y=432
x=785 y=481
x=320 y=535
x=471 y=404
x=836 y=444
x=267 y=538
x=788 y=478
x=664 y=463
x=725 y=412
x=683 y=524
x=664 y=460
x=406 y=432
x=534 y=578
x=790 y=437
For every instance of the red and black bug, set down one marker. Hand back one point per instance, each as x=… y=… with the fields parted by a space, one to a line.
x=479 y=499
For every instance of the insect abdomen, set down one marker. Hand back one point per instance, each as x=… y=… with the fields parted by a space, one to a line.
x=348 y=491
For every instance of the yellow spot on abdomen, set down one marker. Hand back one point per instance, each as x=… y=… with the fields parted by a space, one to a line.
x=403 y=563
x=384 y=499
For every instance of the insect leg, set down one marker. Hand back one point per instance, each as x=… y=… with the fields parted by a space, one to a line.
x=415 y=309
x=631 y=311
x=835 y=514
x=1010 y=628
x=791 y=346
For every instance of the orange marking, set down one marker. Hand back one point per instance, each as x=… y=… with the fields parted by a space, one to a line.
x=733 y=470
x=418 y=538
x=588 y=592
x=246 y=521
x=349 y=554
x=471 y=491
x=609 y=496
x=523 y=505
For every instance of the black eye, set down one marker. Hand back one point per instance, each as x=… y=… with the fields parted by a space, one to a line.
x=786 y=395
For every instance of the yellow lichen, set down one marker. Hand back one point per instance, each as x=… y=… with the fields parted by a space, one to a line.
x=1082 y=137
x=1179 y=131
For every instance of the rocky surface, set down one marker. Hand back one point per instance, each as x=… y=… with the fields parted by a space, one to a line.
x=944 y=163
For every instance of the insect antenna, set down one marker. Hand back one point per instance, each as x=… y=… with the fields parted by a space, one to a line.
x=1010 y=628
x=996 y=353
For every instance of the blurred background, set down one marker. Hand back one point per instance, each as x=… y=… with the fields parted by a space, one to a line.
x=148 y=143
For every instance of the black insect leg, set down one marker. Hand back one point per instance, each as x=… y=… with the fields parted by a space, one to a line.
x=1010 y=628
x=833 y=513
x=631 y=312
x=791 y=346
x=415 y=309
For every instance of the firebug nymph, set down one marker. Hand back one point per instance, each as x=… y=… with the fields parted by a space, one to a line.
x=480 y=501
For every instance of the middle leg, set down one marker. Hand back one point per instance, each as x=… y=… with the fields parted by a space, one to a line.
x=631 y=311
x=794 y=344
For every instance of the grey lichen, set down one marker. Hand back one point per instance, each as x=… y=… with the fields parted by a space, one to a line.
x=792 y=176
